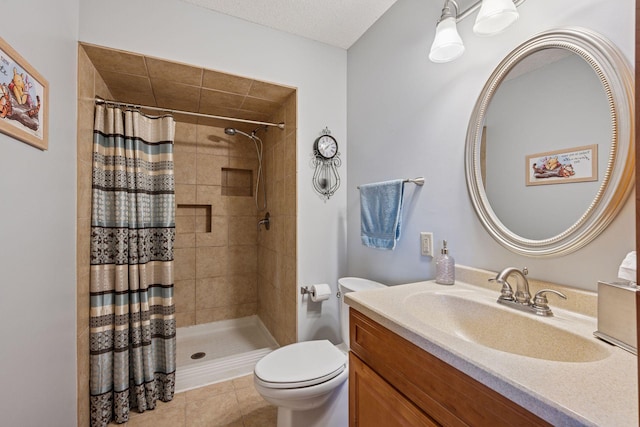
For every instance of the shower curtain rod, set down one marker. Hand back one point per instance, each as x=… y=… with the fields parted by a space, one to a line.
x=189 y=113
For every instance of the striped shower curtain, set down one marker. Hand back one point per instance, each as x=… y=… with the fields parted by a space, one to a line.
x=132 y=320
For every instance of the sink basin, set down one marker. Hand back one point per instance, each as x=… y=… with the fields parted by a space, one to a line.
x=489 y=324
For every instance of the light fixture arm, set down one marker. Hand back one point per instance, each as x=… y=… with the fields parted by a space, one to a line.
x=447 y=12
x=475 y=6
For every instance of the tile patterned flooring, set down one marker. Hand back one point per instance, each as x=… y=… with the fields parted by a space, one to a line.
x=233 y=403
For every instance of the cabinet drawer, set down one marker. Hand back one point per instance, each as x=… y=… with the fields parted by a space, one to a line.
x=449 y=396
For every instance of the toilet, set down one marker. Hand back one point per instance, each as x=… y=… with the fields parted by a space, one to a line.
x=308 y=381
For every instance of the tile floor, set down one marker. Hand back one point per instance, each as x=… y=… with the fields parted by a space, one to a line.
x=234 y=403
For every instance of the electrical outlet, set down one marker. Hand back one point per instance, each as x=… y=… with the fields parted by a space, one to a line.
x=426 y=243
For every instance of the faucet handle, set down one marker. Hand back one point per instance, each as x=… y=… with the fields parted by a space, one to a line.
x=506 y=293
x=541 y=303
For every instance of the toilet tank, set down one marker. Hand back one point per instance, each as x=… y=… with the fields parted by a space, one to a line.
x=352 y=284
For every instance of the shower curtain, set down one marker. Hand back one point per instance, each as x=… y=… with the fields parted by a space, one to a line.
x=132 y=320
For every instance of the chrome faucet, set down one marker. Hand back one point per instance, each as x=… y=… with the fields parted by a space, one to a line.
x=521 y=300
x=522 y=295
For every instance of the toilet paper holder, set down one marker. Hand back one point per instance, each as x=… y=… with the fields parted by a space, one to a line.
x=308 y=290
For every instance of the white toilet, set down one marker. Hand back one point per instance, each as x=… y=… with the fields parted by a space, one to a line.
x=307 y=381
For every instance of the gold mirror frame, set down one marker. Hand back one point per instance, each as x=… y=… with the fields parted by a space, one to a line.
x=614 y=72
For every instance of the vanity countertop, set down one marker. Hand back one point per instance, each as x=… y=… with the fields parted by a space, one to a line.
x=595 y=393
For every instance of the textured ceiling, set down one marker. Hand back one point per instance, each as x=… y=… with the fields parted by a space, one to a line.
x=335 y=22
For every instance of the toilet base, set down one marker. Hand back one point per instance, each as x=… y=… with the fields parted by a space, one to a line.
x=334 y=412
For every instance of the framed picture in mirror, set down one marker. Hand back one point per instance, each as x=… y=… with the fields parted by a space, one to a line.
x=577 y=164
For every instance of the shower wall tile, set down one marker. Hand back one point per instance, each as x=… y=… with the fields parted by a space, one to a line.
x=212 y=141
x=278 y=159
x=290 y=237
x=211 y=261
x=212 y=195
x=184 y=295
x=184 y=163
x=243 y=259
x=83 y=260
x=213 y=292
x=290 y=113
x=245 y=164
x=228 y=312
x=83 y=376
x=277 y=280
x=185 y=210
x=240 y=205
x=185 y=319
x=290 y=155
x=209 y=225
x=185 y=240
x=203 y=224
x=185 y=224
x=219 y=234
x=290 y=196
x=84 y=189
x=184 y=263
x=209 y=169
x=85 y=129
x=243 y=230
x=185 y=138
x=244 y=287
x=185 y=194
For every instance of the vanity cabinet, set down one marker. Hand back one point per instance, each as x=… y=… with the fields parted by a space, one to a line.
x=392 y=382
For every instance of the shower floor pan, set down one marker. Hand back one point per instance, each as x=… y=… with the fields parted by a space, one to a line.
x=221 y=351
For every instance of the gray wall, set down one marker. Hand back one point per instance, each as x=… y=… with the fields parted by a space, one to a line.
x=37 y=231
x=408 y=117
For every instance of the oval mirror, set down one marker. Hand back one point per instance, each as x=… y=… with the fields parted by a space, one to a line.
x=550 y=151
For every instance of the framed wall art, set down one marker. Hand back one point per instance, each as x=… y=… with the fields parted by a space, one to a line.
x=577 y=164
x=24 y=99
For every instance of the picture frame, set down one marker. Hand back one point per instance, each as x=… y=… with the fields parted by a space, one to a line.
x=24 y=99
x=577 y=164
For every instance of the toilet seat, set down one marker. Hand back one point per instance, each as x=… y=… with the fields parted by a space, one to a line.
x=302 y=364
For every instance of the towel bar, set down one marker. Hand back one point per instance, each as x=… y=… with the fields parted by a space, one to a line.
x=417 y=181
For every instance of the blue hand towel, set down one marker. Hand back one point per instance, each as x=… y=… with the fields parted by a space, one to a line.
x=381 y=213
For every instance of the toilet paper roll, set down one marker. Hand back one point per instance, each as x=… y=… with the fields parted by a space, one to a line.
x=320 y=292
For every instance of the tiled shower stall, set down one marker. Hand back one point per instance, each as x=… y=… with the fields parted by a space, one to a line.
x=225 y=267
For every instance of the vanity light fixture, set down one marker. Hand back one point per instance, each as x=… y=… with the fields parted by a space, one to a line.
x=494 y=17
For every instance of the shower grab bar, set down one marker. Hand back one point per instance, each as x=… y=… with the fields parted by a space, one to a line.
x=419 y=181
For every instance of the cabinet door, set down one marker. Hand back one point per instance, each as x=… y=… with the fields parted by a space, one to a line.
x=375 y=403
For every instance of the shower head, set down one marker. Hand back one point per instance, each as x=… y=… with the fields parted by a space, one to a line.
x=234 y=131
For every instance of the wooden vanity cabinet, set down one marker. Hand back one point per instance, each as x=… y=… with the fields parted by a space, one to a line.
x=392 y=382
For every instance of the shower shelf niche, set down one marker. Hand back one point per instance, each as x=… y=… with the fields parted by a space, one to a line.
x=202 y=214
x=237 y=182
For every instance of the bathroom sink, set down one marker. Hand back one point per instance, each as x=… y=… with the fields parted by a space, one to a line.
x=482 y=321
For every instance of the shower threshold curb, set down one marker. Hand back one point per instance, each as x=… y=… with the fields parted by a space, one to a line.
x=222 y=369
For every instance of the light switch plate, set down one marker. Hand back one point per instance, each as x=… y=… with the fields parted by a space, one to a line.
x=426 y=243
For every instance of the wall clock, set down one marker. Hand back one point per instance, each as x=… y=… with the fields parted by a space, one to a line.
x=326 y=160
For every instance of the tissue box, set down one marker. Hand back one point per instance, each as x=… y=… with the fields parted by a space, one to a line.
x=617 y=314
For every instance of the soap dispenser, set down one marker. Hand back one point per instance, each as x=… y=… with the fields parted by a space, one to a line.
x=445 y=266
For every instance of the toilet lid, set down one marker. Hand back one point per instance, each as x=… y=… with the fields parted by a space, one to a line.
x=301 y=364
